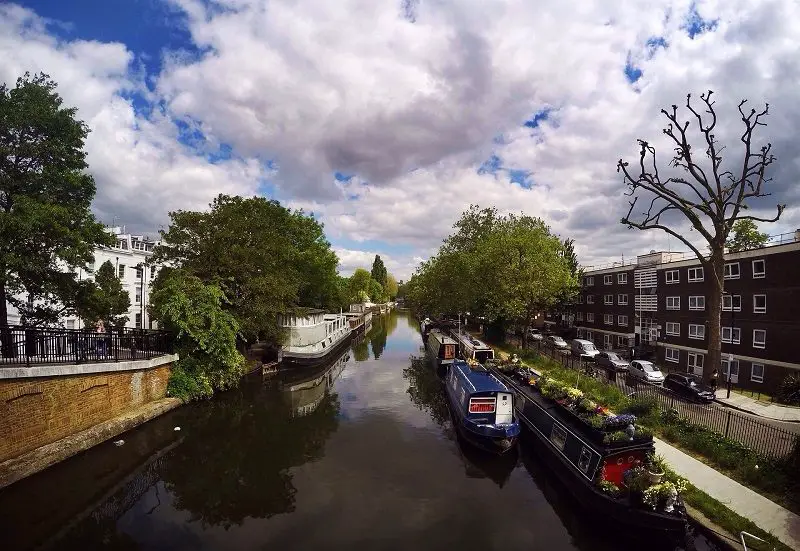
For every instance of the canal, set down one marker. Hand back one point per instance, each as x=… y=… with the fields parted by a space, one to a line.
x=359 y=454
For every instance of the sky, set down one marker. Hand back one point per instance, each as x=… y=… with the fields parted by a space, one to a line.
x=387 y=119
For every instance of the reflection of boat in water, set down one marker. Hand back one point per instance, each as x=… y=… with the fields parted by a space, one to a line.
x=304 y=388
x=479 y=464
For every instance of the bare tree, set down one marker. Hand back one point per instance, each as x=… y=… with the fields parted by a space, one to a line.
x=712 y=199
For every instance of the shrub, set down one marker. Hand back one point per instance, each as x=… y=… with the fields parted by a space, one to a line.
x=642 y=406
x=789 y=391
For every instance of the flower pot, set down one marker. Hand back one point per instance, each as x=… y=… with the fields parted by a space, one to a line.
x=654 y=478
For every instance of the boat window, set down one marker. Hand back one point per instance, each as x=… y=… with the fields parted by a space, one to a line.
x=584 y=459
x=558 y=436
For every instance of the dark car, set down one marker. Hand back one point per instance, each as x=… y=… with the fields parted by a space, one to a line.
x=688 y=387
x=611 y=361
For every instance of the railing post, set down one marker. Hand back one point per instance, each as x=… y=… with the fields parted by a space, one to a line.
x=727 y=424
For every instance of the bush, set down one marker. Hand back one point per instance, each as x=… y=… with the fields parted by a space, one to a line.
x=642 y=406
x=789 y=391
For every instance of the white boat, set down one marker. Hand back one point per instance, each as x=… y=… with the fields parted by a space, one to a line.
x=313 y=337
x=471 y=348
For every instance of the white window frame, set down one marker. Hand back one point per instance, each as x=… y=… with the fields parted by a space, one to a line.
x=759 y=309
x=763 y=273
x=622 y=278
x=763 y=343
x=676 y=303
x=757 y=378
x=734 y=335
x=676 y=276
x=608 y=299
x=672 y=355
x=622 y=320
x=622 y=300
x=728 y=272
x=121 y=271
x=696 y=300
x=673 y=328
x=731 y=300
x=589 y=280
x=607 y=341
x=608 y=319
x=139 y=321
x=695 y=271
x=579 y=316
x=691 y=360
x=580 y=299
x=608 y=279
x=589 y=299
x=590 y=317
x=137 y=295
x=589 y=336
x=622 y=341
x=697 y=335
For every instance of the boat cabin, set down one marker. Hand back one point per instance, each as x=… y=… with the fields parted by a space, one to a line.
x=482 y=397
x=471 y=348
x=441 y=347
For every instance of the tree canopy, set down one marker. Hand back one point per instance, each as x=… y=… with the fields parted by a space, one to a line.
x=379 y=272
x=46 y=227
x=104 y=299
x=745 y=237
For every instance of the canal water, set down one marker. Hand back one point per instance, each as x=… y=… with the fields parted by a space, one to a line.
x=358 y=454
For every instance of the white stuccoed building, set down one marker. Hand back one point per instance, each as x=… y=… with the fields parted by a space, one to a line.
x=128 y=256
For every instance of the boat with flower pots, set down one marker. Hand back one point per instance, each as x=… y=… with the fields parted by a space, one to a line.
x=608 y=461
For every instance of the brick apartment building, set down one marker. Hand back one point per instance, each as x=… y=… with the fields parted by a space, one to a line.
x=660 y=301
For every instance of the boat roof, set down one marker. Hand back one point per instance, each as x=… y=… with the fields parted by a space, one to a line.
x=472 y=340
x=480 y=379
x=444 y=339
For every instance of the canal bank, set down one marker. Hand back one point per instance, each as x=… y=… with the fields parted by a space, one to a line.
x=363 y=455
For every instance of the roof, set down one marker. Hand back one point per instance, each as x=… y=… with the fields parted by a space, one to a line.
x=479 y=378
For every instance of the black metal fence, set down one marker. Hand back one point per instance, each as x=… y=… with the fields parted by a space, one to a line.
x=764 y=437
x=29 y=346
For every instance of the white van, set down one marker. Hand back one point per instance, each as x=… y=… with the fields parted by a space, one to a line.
x=585 y=349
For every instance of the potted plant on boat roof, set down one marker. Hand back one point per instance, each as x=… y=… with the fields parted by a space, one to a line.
x=655 y=465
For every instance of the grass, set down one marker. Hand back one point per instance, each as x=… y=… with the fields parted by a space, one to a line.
x=755 y=395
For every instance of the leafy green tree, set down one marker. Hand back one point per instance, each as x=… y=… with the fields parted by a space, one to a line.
x=358 y=286
x=205 y=334
x=104 y=300
x=379 y=272
x=266 y=259
x=46 y=227
x=391 y=287
x=745 y=237
x=376 y=292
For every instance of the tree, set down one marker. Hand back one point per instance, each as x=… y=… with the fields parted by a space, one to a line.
x=379 y=271
x=46 y=227
x=713 y=199
x=376 y=292
x=266 y=259
x=565 y=301
x=104 y=300
x=358 y=286
x=391 y=287
x=745 y=237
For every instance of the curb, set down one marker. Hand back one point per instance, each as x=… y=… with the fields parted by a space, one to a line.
x=737 y=408
x=719 y=536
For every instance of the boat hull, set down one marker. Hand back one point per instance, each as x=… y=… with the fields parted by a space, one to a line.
x=316 y=357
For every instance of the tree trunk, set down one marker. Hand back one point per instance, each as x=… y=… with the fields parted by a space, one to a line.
x=714 y=357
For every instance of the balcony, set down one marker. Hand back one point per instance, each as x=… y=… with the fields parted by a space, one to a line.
x=646 y=303
x=645 y=278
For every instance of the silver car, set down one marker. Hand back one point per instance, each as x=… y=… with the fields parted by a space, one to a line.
x=646 y=371
x=611 y=361
x=556 y=341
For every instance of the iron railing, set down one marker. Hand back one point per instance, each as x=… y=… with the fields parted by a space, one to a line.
x=31 y=346
x=764 y=438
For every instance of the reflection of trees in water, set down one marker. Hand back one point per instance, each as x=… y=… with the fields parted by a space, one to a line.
x=382 y=326
x=237 y=454
x=426 y=390
x=361 y=348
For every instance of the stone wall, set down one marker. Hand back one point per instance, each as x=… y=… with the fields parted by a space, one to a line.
x=46 y=407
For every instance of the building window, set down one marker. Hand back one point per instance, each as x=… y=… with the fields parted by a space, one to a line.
x=759 y=304
x=589 y=299
x=580 y=299
x=608 y=319
x=138 y=321
x=673 y=276
x=672 y=355
x=580 y=316
x=606 y=341
x=732 y=302
x=589 y=281
x=673 y=303
x=121 y=271
x=697 y=331
x=622 y=279
x=731 y=270
x=589 y=336
x=759 y=338
x=138 y=295
x=732 y=335
x=139 y=272
x=759 y=269
x=695 y=361
x=622 y=320
x=697 y=303
x=757 y=373
x=608 y=299
x=622 y=342
x=695 y=274
x=590 y=317
x=673 y=328
x=608 y=279
x=622 y=300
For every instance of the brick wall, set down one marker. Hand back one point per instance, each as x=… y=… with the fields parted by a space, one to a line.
x=41 y=410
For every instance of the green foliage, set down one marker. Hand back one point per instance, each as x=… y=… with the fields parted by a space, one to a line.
x=642 y=406
x=45 y=198
x=205 y=333
x=391 y=287
x=745 y=237
x=379 y=272
x=376 y=292
x=358 y=286
x=104 y=299
x=266 y=259
x=789 y=391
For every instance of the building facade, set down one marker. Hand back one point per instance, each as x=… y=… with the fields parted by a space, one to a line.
x=128 y=256
x=661 y=301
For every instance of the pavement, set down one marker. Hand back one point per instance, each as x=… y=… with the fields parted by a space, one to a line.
x=769 y=516
x=762 y=409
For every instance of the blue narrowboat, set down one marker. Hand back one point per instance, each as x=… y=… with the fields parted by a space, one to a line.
x=482 y=407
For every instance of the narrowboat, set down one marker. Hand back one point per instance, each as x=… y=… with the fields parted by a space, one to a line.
x=594 y=460
x=482 y=407
x=314 y=337
x=471 y=348
x=441 y=350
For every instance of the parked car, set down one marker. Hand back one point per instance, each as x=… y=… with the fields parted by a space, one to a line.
x=556 y=341
x=535 y=334
x=688 y=387
x=585 y=349
x=611 y=361
x=646 y=371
